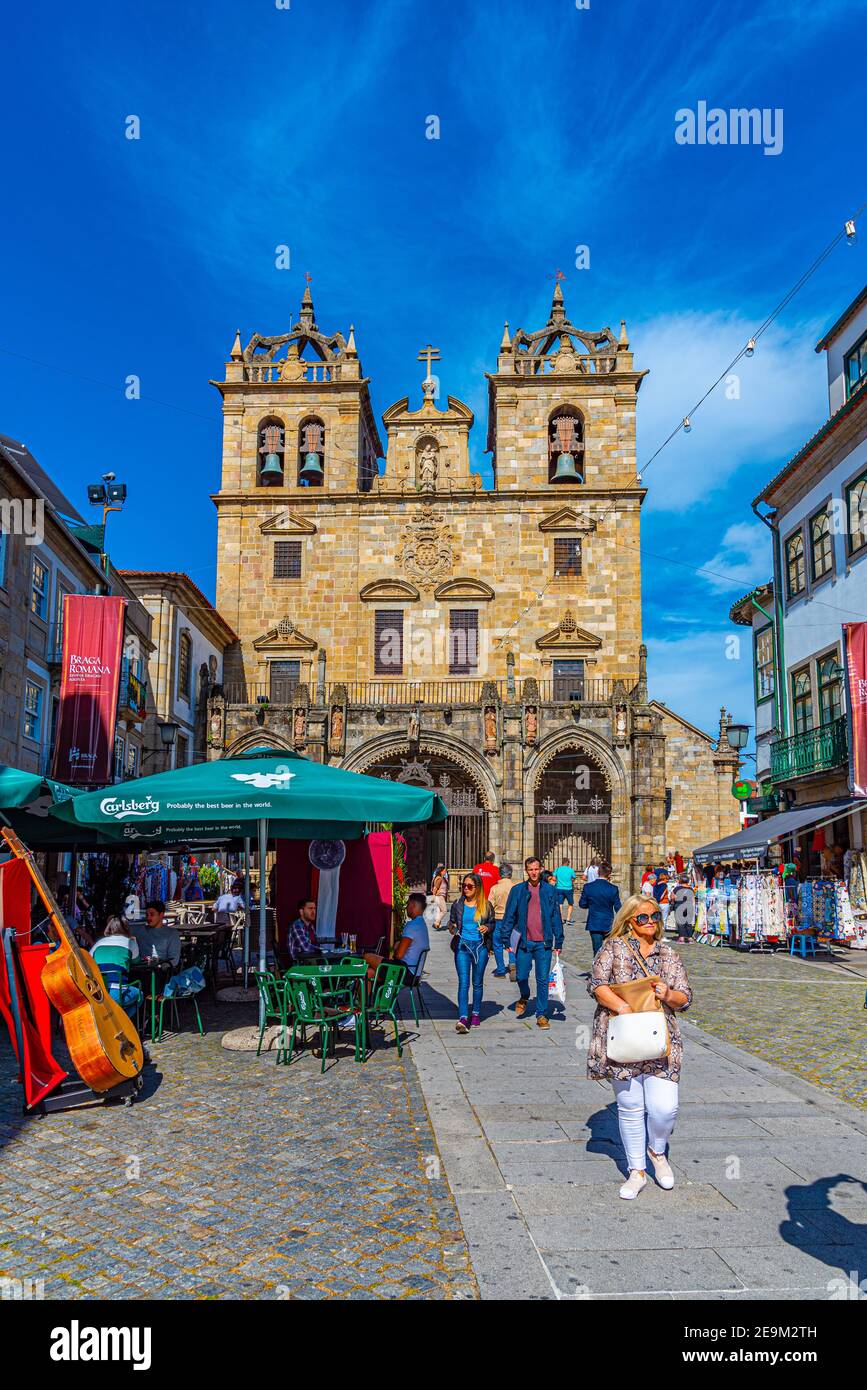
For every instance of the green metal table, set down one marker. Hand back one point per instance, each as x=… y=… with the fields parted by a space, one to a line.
x=332 y=973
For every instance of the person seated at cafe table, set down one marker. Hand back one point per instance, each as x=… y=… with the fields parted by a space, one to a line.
x=115 y=951
x=156 y=939
x=413 y=940
x=229 y=902
x=300 y=940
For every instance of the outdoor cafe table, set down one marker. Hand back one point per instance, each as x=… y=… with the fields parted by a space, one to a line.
x=146 y=965
x=348 y=968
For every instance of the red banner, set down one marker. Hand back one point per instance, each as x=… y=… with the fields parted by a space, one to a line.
x=855 y=653
x=92 y=648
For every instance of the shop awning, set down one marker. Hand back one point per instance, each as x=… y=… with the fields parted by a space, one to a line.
x=753 y=842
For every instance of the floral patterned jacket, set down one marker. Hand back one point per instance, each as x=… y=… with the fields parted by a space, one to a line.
x=615 y=964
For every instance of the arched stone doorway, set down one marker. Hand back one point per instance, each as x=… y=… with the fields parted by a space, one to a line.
x=572 y=810
x=461 y=841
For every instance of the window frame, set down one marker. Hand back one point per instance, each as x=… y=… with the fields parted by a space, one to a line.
x=794 y=596
x=389 y=671
x=119 y=757
x=45 y=591
x=757 y=633
x=858 y=349
x=288 y=578
x=463 y=668
x=852 y=550
x=822 y=660
x=30 y=683
x=821 y=512
x=569 y=573
x=795 y=676
x=184 y=686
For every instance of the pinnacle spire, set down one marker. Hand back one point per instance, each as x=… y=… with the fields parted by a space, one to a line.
x=237 y=352
x=506 y=344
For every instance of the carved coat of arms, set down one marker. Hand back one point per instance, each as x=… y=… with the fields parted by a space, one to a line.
x=426 y=557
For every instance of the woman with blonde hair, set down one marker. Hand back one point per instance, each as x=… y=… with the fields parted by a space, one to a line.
x=471 y=920
x=646 y=1092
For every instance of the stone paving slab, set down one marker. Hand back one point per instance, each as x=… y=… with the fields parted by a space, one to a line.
x=761 y=1158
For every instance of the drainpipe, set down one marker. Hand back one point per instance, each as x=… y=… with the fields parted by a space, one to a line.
x=779 y=638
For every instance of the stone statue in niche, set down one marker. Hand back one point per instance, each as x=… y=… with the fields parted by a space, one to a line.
x=427 y=466
x=299 y=728
x=336 y=738
x=413 y=727
x=490 y=727
x=215 y=729
x=621 y=722
x=531 y=725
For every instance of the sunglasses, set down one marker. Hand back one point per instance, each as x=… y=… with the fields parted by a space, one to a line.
x=644 y=917
x=468 y=884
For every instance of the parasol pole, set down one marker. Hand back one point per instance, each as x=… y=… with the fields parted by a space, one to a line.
x=246 y=911
x=263 y=932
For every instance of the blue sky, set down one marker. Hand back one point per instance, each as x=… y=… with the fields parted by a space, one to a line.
x=306 y=125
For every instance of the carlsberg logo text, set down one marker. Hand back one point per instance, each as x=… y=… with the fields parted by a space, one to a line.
x=77 y=1343
x=121 y=807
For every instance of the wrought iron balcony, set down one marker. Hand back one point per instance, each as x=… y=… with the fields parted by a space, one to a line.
x=814 y=750
x=131 y=695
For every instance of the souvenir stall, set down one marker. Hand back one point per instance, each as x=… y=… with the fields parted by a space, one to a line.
x=750 y=897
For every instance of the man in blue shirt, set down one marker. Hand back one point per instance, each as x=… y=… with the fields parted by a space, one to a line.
x=533 y=912
x=564 y=882
x=601 y=900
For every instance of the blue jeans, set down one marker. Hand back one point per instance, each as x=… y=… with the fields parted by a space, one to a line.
x=470 y=961
x=538 y=954
x=597 y=938
x=497 y=944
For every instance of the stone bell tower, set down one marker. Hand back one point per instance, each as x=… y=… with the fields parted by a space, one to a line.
x=562 y=408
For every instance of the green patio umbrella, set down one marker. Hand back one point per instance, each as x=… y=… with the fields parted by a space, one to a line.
x=25 y=801
x=285 y=795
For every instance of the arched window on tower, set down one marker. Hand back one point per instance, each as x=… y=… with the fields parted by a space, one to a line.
x=566 y=445
x=271 y=453
x=311 y=452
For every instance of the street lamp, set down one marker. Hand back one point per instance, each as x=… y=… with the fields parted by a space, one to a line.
x=168 y=733
x=738 y=735
x=103 y=495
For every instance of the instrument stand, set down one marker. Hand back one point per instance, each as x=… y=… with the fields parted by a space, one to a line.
x=74 y=1093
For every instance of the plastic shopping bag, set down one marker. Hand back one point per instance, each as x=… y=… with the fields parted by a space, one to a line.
x=557 y=983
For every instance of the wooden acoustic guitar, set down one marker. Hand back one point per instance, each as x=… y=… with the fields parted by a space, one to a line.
x=103 y=1044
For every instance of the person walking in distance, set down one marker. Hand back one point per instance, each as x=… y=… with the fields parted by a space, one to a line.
x=646 y=1092
x=533 y=911
x=439 y=887
x=681 y=909
x=601 y=899
x=498 y=898
x=471 y=920
x=564 y=882
x=488 y=872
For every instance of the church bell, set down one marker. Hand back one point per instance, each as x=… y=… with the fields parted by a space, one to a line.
x=566 y=472
x=312 y=470
x=271 y=467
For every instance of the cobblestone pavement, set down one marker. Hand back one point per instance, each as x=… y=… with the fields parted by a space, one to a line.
x=805 y=1016
x=233 y=1178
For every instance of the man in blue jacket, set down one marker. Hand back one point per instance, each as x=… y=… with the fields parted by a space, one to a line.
x=601 y=900
x=533 y=911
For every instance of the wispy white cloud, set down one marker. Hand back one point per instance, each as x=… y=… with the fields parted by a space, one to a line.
x=695 y=674
x=760 y=414
x=742 y=561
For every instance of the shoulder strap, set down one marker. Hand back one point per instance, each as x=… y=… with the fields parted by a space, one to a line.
x=638 y=956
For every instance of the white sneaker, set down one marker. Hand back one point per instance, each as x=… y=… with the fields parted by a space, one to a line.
x=633 y=1185
x=662 y=1170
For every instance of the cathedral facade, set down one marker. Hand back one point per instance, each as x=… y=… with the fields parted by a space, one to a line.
x=412 y=624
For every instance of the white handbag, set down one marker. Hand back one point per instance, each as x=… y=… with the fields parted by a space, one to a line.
x=637 y=1037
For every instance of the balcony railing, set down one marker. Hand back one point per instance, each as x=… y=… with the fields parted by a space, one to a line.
x=313 y=371
x=587 y=364
x=374 y=694
x=132 y=694
x=814 y=750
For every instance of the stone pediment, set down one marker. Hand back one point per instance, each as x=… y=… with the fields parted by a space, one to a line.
x=464 y=589
x=568 y=636
x=388 y=589
x=429 y=414
x=567 y=519
x=285 y=637
x=287 y=524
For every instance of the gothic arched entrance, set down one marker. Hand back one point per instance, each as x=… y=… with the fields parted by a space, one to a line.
x=461 y=840
x=572 y=810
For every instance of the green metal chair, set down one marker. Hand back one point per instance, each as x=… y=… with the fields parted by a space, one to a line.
x=173 y=1000
x=384 y=994
x=313 y=1008
x=272 y=993
x=412 y=982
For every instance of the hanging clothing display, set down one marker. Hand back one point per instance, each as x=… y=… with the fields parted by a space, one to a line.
x=762 y=909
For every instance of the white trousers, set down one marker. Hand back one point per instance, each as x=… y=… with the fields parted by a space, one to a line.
x=646 y=1112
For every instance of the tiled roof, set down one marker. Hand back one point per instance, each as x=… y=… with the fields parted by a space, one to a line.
x=844 y=318
x=853 y=404
x=22 y=457
x=178 y=577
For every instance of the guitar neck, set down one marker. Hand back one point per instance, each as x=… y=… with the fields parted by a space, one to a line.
x=55 y=917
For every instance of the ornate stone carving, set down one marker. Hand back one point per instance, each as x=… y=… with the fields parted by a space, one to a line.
x=299 y=717
x=217 y=720
x=427 y=464
x=337 y=721
x=426 y=557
